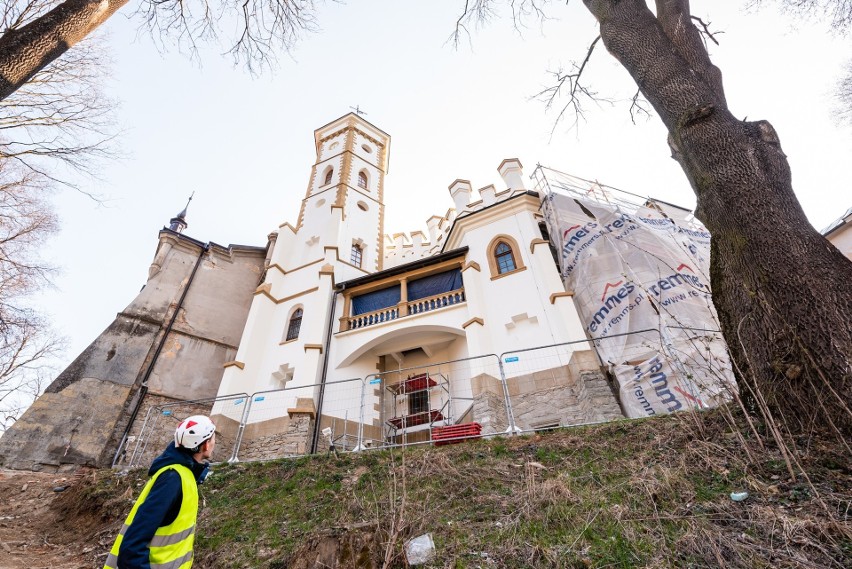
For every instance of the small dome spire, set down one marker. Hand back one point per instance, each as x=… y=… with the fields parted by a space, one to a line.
x=178 y=222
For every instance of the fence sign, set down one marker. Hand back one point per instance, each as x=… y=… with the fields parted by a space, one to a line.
x=512 y=359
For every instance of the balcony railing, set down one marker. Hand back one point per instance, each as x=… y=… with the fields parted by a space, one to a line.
x=435 y=301
x=370 y=318
x=403 y=309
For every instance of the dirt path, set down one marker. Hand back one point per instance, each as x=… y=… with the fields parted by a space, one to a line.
x=33 y=535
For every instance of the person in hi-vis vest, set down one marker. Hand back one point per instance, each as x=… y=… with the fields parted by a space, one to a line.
x=160 y=529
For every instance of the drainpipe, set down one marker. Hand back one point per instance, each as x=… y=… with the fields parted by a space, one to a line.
x=326 y=350
x=143 y=390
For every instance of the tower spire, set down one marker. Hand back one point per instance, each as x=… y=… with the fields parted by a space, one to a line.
x=178 y=222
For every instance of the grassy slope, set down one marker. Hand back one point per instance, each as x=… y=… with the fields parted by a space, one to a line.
x=629 y=494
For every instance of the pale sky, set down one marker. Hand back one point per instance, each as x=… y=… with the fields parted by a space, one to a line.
x=245 y=144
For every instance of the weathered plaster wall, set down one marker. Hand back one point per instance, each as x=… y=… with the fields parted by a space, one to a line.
x=208 y=327
x=93 y=397
x=64 y=429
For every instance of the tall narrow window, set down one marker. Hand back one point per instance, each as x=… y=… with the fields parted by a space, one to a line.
x=362 y=179
x=357 y=255
x=295 y=324
x=328 y=176
x=504 y=257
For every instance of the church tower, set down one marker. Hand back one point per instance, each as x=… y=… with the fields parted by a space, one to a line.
x=338 y=237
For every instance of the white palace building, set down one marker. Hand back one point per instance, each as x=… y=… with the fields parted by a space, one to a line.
x=335 y=332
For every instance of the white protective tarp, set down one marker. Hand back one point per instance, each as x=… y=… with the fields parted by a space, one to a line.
x=641 y=287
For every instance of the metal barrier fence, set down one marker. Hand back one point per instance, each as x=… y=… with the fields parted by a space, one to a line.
x=436 y=402
x=532 y=389
x=161 y=420
x=561 y=384
x=281 y=422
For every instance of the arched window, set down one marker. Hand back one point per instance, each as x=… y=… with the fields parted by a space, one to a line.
x=362 y=179
x=329 y=173
x=295 y=324
x=357 y=255
x=504 y=257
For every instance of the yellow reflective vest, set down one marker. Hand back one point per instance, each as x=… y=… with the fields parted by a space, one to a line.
x=171 y=546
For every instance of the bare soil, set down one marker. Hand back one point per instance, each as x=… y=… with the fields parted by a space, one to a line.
x=35 y=534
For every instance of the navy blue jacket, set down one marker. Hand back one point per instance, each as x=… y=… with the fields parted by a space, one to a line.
x=159 y=509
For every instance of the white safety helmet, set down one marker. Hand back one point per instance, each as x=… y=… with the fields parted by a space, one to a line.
x=193 y=431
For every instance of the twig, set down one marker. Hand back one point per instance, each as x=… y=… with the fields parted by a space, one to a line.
x=705 y=32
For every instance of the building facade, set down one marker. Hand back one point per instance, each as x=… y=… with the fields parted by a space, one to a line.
x=412 y=325
x=839 y=233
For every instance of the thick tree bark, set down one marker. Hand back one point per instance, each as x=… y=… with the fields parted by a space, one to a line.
x=25 y=51
x=782 y=291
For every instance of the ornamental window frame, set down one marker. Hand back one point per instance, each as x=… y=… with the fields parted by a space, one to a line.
x=512 y=249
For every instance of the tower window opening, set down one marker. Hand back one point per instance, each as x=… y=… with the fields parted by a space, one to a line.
x=328 y=176
x=504 y=257
x=362 y=179
x=295 y=325
x=357 y=255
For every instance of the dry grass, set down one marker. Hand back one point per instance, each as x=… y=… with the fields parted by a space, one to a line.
x=648 y=493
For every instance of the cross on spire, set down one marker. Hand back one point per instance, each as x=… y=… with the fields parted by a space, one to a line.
x=358 y=111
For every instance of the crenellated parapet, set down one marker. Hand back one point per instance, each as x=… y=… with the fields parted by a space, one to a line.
x=404 y=247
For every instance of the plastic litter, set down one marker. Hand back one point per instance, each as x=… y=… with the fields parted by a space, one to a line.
x=420 y=549
x=739 y=496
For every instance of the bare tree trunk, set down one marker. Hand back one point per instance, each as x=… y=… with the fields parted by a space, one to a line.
x=26 y=50
x=782 y=291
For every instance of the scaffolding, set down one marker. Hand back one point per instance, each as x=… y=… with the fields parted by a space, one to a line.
x=605 y=237
x=417 y=404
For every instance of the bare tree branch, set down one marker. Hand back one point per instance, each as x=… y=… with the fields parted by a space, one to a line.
x=843 y=97
x=838 y=13
x=639 y=106
x=479 y=12
x=58 y=122
x=705 y=30
x=570 y=85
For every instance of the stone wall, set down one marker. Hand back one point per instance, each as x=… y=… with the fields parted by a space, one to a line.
x=489 y=410
x=555 y=406
x=597 y=398
x=277 y=438
x=572 y=394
